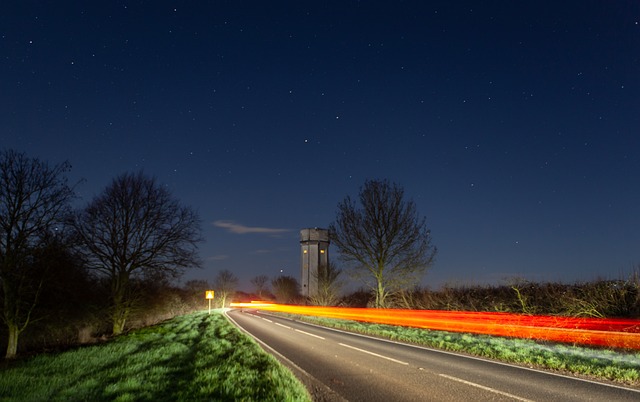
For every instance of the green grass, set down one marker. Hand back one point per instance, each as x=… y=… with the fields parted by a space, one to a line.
x=192 y=357
x=619 y=366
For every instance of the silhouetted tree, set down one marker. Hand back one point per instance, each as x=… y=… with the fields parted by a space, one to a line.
x=135 y=229
x=261 y=282
x=383 y=239
x=328 y=285
x=225 y=284
x=34 y=202
x=70 y=304
x=285 y=288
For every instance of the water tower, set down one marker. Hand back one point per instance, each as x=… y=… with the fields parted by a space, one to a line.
x=314 y=245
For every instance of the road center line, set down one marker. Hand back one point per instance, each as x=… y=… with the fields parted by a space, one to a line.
x=266 y=319
x=310 y=334
x=374 y=354
x=282 y=325
x=473 y=384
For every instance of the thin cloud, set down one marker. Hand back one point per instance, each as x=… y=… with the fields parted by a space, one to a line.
x=242 y=229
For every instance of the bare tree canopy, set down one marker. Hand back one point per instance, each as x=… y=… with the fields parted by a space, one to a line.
x=261 y=283
x=329 y=285
x=34 y=202
x=383 y=239
x=225 y=284
x=136 y=229
x=285 y=288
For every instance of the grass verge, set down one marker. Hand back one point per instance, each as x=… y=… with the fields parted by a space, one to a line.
x=193 y=357
x=618 y=366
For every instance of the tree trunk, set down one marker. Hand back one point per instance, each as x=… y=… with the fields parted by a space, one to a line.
x=11 y=318
x=12 y=345
x=380 y=295
x=120 y=310
x=119 y=317
x=118 y=325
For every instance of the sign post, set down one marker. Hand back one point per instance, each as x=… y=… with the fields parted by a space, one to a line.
x=209 y=296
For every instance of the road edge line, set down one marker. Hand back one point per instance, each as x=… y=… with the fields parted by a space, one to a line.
x=308 y=379
x=495 y=391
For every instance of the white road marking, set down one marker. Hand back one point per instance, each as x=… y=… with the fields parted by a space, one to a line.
x=282 y=325
x=473 y=384
x=374 y=354
x=310 y=334
x=266 y=319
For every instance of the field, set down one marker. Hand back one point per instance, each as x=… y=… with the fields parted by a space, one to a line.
x=192 y=357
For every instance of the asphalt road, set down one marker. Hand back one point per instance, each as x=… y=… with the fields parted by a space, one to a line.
x=338 y=366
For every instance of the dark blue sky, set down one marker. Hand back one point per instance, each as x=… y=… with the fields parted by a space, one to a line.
x=513 y=125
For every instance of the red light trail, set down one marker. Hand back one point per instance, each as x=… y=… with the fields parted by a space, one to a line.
x=614 y=333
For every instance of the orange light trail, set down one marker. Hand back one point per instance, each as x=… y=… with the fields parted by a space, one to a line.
x=614 y=333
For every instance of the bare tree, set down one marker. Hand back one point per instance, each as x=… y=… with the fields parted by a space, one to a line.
x=285 y=288
x=135 y=230
x=261 y=282
x=34 y=202
x=225 y=284
x=385 y=242
x=328 y=285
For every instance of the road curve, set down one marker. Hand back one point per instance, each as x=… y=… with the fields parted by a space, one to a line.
x=337 y=365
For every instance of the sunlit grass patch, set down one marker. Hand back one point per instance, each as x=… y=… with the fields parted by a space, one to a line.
x=194 y=357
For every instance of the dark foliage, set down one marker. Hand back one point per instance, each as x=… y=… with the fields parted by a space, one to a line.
x=34 y=204
x=359 y=298
x=286 y=289
x=603 y=298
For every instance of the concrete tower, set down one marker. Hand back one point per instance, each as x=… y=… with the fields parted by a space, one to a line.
x=315 y=253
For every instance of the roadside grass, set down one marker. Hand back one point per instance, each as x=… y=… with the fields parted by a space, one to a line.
x=614 y=365
x=192 y=357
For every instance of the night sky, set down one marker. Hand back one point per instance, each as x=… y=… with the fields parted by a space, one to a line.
x=514 y=126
